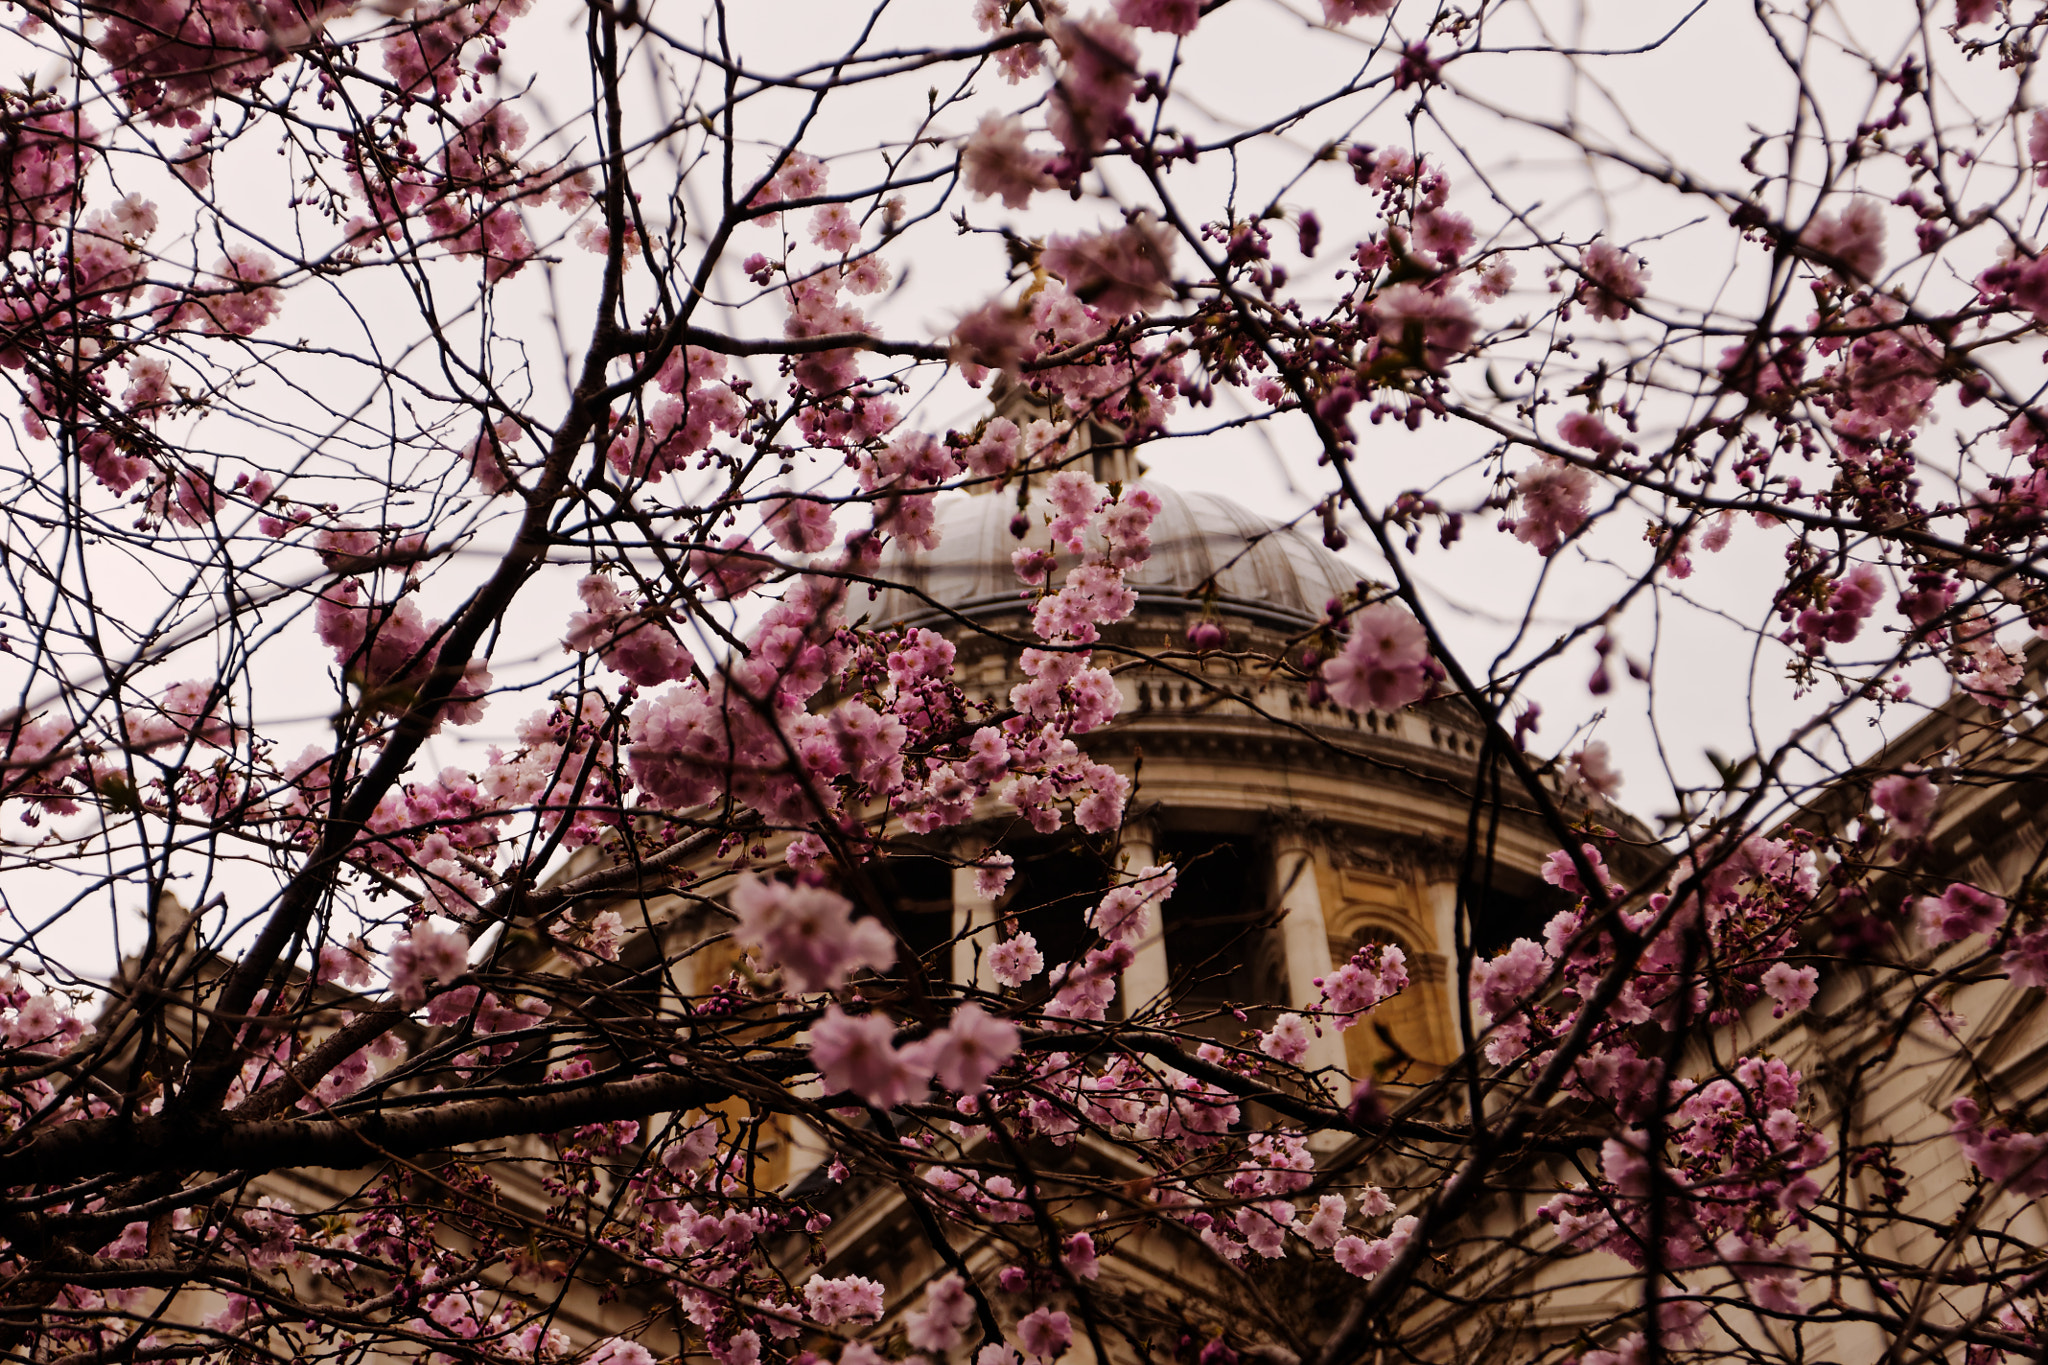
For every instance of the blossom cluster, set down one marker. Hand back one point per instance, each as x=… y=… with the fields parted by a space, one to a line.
x=720 y=726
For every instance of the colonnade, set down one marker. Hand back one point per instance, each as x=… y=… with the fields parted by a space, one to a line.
x=1308 y=948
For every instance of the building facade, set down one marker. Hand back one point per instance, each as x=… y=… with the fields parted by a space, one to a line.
x=1303 y=832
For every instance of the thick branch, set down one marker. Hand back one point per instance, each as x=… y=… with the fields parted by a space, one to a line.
x=166 y=1143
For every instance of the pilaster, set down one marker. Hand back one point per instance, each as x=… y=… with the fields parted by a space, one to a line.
x=1146 y=980
x=1305 y=934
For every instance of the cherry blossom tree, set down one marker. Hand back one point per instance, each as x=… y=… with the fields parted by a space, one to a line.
x=457 y=448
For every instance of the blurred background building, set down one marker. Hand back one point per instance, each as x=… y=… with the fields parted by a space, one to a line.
x=1303 y=831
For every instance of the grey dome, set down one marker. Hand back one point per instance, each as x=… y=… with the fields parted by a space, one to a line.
x=1272 y=573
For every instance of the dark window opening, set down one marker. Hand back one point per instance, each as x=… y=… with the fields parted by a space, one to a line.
x=636 y=982
x=1051 y=892
x=1216 y=920
x=918 y=893
x=1499 y=917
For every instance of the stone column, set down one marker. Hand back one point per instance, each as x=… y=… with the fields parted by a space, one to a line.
x=679 y=926
x=1305 y=935
x=974 y=917
x=1145 y=981
x=1440 y=903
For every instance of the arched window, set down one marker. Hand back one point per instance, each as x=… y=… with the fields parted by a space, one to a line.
x=1405 y=1038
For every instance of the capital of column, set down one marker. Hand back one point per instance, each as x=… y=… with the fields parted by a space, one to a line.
x=1293 y=830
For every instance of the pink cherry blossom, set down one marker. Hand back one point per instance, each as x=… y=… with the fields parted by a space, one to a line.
x=1121 y=914
x=1593 y=768
x=639 y=646
x=1165 y=16
x=1079 y=1256
x=970 y=1049
x=423 y=958
x=237 y=297
x=1613 y=281
x=1887 y=375
x=994 y=336
x=731 y=568
x=1908 y=799
x=1848 y=602
x=1119 y=271
x=1588 y=432
x=1366 y=1259
x=1427 y=326
x=349 y=966
x=1375 y=972
x=1085 y=990
x=1326 y=1225
x=50 y=157
x=1496 y=278
x=997 y=162
x=1444 y=234
x=1931 y=595
x=1288 y=1040
x=2026 y=961
x=1339 y=12
x=1990 y=672
x=833 y=228
x=868 y=275
x=800 y=523
x=1552 y=495
x=800 y=176
x=992 y=874
x=1044 y=1333
x=741 y=1348
x=1791 y=988
x=1017 y=960
x=43 y=1024
x=997 y=450
x=816 y=310
x=696 y=1146
x=1957 y=913
x=1850 y=242
x=1096 y=81
x=1383 y=665
x=848 y=1298
x=490 y=457
x=858 y=1055
x=1502 y=982
x=1767 y=1270
x=947 y=1313
x=1101 y=807
x=2017 y=1160
x=809 y=933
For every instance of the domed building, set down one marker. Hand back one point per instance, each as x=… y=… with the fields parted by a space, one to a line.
x=1301 y=830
